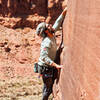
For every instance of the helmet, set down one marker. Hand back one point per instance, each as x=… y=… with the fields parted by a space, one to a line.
x=41 y=28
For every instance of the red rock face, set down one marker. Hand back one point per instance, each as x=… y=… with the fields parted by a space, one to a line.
x=20 y=7
x=80 y=77
x=29 y=13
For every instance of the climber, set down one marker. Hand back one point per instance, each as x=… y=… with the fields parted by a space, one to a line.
x=46 y=64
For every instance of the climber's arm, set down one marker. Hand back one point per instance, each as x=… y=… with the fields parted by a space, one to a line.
x=59 y=20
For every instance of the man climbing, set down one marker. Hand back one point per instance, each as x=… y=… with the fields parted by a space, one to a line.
x=46 y=64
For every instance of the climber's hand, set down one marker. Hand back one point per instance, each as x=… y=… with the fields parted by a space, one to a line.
x=64 y=11
x=56 y=65
x=59 y=66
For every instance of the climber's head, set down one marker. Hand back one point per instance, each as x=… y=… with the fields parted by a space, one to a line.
x=41 y=29
x=44 y=29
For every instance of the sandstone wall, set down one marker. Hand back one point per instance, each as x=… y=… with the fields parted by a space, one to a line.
x=80 y=80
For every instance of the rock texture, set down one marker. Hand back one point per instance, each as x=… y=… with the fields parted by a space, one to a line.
x=31 y=21
x=26 y=13
x=17 y=55
x=29 y=13
x=19 y=7
x=80 y=77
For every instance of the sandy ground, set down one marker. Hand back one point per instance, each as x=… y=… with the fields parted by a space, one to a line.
x=21 y=89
